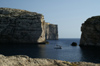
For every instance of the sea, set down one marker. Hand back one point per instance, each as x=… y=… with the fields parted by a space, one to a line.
x=67 y=53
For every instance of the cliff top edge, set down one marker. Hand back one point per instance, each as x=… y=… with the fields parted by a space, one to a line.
x=17 y=12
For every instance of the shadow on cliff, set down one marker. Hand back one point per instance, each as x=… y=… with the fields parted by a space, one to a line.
x=90 y=54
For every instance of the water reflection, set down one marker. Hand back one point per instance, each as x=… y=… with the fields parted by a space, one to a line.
x=90 y=54
x=41 y=51
x=34 y=51
x=67 y=53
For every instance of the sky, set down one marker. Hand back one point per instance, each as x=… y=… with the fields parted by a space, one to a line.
x=67 y=14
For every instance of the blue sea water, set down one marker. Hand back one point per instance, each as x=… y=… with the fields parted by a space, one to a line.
x=67 y=53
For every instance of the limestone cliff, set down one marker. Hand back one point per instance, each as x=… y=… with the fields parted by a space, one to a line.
x=91 y=32
x=51 y=31
x=21 y=26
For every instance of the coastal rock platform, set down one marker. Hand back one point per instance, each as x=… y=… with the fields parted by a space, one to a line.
x=22 y=60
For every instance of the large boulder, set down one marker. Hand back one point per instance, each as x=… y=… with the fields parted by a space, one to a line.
x=74 y=44
x=21 y=26
x=90 y=32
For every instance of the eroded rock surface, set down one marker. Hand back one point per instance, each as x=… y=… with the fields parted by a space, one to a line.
x=21 y=26
x=22 y=60
x=91 y=32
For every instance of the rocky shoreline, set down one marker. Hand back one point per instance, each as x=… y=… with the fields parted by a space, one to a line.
x=23 y=60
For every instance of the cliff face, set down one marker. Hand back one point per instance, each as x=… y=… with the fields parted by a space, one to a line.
x=21 y=26
x=91 y=32
x=51 y=31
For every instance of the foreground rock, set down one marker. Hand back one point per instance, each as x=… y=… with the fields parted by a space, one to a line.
x=91 y=32
x=21 y=26
x=22 y=60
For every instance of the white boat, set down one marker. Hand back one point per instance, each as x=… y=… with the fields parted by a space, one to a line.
x=58 y=47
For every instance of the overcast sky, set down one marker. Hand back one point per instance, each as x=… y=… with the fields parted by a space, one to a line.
x=68 y=14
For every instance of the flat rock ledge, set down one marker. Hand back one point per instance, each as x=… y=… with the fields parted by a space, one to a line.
x=22 y=60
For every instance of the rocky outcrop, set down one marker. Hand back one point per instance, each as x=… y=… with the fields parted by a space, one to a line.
x=51 y=31
x=22 y=60
x=91 y=32
x=21 y=26
x=74 y=44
